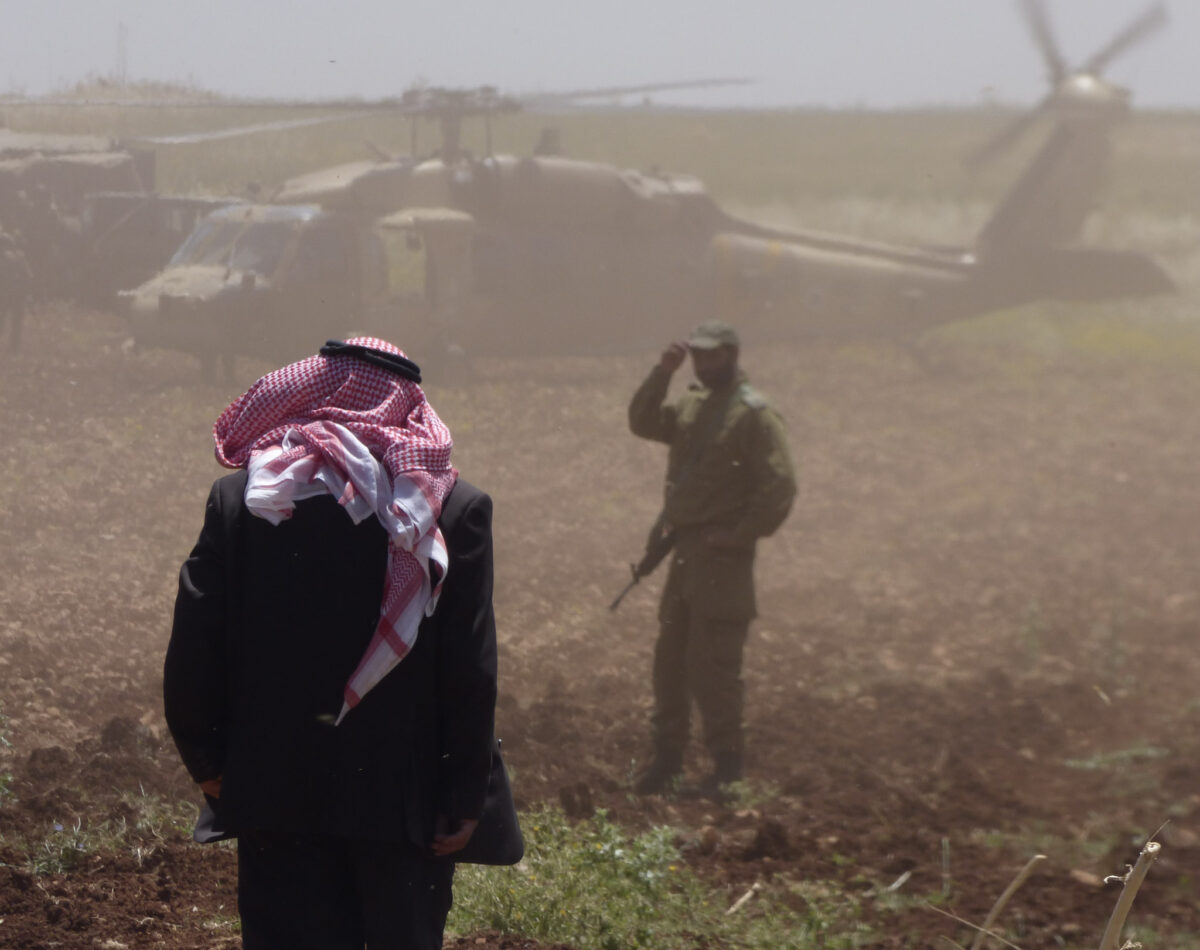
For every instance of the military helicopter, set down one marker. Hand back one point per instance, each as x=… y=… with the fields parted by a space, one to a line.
x=87 y=212
x=69 y=167
x=45 y=180
x=502 y=254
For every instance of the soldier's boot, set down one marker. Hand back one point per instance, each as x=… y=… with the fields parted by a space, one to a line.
x=727 y=768
x=658 y=777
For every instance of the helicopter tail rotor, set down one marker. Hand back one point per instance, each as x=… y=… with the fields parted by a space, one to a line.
x=1154 y=18
x=1038 y=22
x=1008 y=136
x=1076 y=92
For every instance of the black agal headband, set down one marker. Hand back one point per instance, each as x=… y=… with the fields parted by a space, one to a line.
x=400 y=365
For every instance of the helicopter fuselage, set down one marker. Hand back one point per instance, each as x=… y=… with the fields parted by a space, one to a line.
x=539 y=255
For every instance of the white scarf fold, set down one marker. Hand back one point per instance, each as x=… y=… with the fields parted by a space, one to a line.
x=327 y=458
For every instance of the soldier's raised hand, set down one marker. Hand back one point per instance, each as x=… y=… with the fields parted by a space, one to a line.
x=673 y=356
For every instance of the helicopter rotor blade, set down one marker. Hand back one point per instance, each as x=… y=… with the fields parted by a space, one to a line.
x=1007 y=136
x=449 y=105
x=215 y=135
x=1152 y=19
x=201 y=103
x=1038 y=22
x=609 y=92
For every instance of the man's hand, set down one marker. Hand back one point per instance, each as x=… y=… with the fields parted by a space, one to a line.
x=447 y=842
x=673 y=356
x=212 y=787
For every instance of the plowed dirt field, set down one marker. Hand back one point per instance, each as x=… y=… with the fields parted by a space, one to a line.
x=978 y=630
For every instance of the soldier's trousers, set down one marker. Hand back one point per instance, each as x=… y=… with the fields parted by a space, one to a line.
x=697 y=657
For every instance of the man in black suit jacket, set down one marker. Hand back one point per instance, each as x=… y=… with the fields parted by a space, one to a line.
x=347 y=828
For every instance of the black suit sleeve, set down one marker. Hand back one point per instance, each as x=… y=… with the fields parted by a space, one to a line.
x=194 y=678
x=466 y=663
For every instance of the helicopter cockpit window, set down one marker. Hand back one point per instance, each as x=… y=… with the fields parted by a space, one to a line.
x=260 y=247
x=208 y=244
x=256 y=246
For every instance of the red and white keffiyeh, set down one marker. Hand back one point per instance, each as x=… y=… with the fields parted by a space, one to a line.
x=370 y=438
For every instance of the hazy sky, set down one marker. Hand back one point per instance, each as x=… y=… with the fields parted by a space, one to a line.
x=801 y=52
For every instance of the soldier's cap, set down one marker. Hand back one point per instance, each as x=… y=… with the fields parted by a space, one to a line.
x=712 y=334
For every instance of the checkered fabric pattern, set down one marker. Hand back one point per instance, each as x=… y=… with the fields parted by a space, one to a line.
x=371 y=439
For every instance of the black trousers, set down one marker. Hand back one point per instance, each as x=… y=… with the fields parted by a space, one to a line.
x=310 y=892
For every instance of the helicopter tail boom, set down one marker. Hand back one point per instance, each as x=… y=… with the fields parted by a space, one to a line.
x=1079 y=273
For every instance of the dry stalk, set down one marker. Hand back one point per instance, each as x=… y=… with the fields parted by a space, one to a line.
x=745 y=898
x=982 y=934
x=899 y=882
x=1116 y=923
x=967 y=923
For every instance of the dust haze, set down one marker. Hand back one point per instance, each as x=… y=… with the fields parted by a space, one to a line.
x=977 y=625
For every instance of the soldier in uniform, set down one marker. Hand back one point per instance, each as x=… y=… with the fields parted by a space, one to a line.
x=16 y=281
x=44 y=235
x=729 y=482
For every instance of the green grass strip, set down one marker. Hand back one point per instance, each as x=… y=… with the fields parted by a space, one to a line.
x=594 y=886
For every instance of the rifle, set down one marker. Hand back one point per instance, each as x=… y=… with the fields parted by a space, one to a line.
x=662 y=536
x=658 y=545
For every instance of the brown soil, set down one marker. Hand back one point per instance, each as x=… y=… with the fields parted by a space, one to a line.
x=977 y=632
